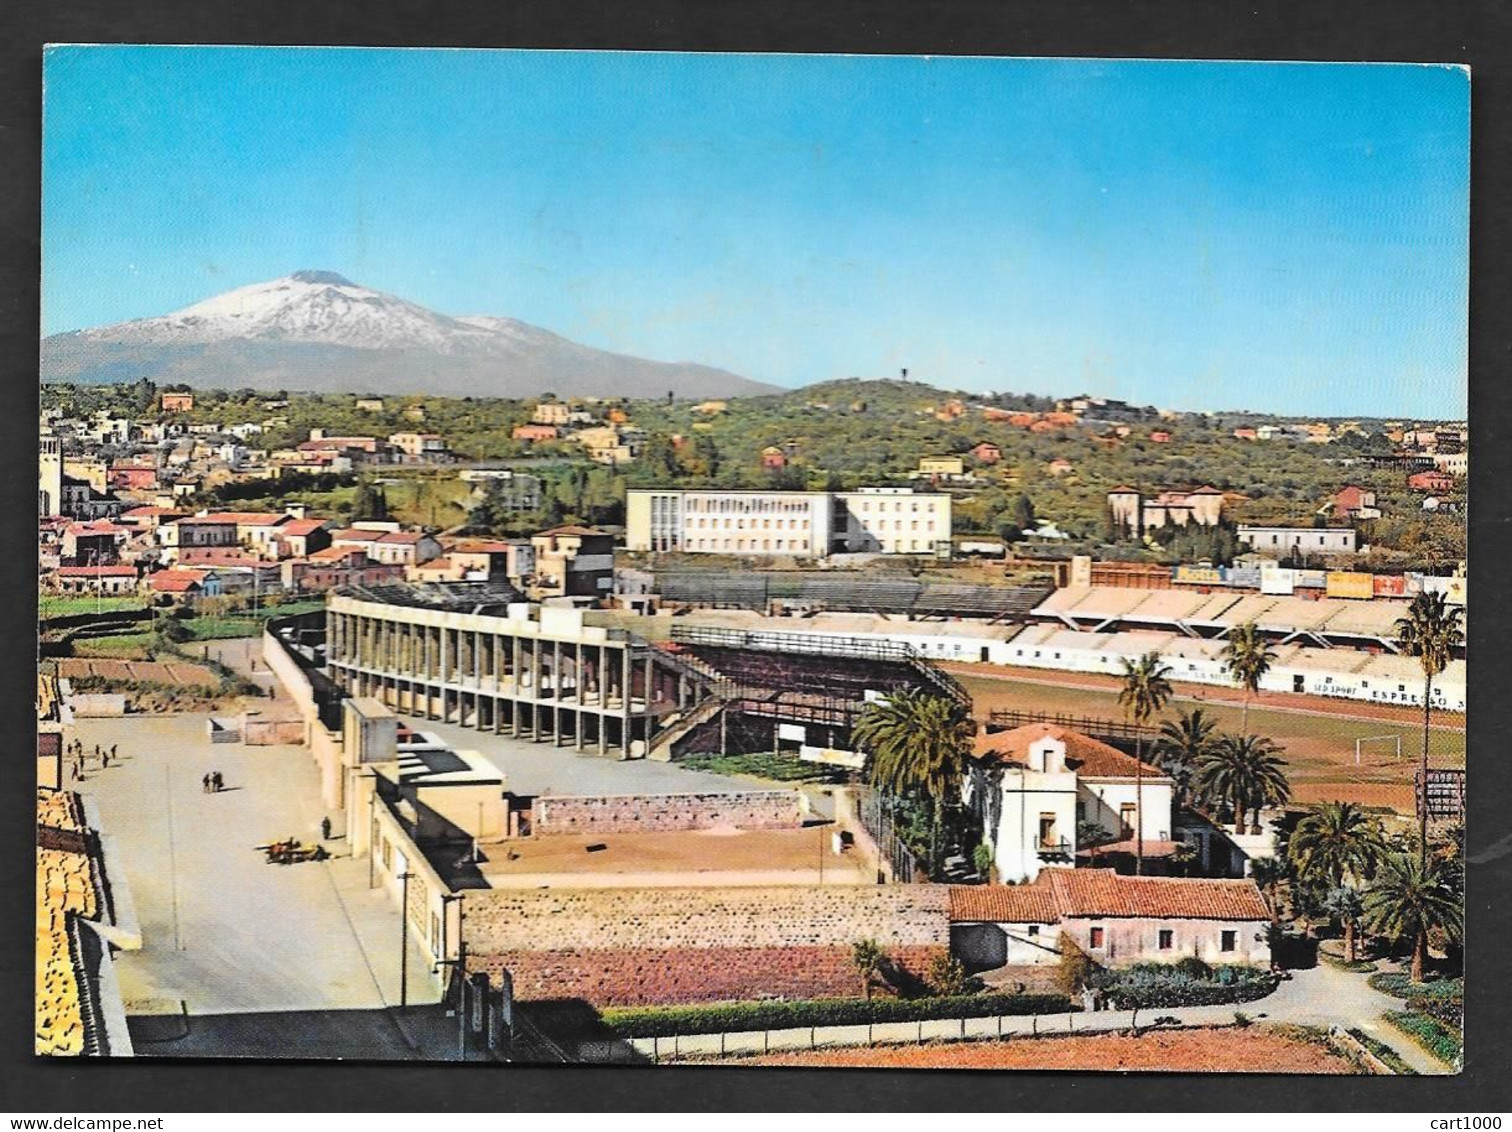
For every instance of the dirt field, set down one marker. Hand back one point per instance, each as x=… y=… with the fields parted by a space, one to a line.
x=1257 y=1049
x=154 y=671
x=1318 y=735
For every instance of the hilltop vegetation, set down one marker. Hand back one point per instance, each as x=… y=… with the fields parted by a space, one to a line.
x=841 y=435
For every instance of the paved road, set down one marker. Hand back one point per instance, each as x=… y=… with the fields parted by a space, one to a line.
x=224 y=933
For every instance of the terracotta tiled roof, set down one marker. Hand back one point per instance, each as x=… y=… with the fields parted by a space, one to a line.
x=1102 y=892
x=1089 y=757
x=354 y=534
x=402 y=536
x=97 y=572
x=571 y=530
x=1057 y=894
x=299 y=527
x=336 y=554
x=1003 y=904
x=177 y=581
x=245 y=518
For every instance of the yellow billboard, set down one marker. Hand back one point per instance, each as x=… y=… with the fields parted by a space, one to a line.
x=1345 y=583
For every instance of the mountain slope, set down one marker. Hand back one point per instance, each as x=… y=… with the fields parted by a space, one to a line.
x=315 y=330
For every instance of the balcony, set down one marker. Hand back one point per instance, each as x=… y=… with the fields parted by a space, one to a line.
x=1061 y=850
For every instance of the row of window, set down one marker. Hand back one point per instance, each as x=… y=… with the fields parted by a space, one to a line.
x=1165 y=939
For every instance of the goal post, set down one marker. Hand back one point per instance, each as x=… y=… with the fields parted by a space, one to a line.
x=1395 y=739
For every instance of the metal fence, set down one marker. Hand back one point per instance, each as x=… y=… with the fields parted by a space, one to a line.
x=1098 y=727
x=876 y=814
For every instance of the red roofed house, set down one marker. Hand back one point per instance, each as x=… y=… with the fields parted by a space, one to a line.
x=534 y=432
x=1433 y=481
x=96 y=579
x=337 y=566
x=1030 y=788
x=258 y=531
x=96 y=543
x=1160 y=436
x=300 y=538
x=1117 y=920
x=179 y=583
x=402 y=548
x=1352 y=502
x=987 y=452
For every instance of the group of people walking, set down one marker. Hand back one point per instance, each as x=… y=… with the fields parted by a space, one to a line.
x=105 y=755
x=213 y=783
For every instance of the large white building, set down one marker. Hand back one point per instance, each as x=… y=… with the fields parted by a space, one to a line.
x=1313 y=540
x=1032 y=787
x=806 y=524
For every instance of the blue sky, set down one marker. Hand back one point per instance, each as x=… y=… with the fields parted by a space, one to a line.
x=1290 y=238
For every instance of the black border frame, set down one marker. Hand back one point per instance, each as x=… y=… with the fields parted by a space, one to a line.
x=1473 y=33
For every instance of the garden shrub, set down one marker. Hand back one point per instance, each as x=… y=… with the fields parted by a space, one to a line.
x=1441 y=1041
x=713 y=1018
x=1147 y=985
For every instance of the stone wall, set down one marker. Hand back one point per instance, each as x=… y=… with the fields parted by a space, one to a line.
x=663 y=945
x=664 y=976
x=659 y=813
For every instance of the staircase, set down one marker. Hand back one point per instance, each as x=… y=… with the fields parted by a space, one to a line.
x=662 y=743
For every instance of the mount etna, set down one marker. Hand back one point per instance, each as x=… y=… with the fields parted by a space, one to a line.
x=320 y=332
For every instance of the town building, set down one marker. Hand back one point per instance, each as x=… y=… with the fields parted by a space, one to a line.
x=420 y=447
x=519 y=491
x=1115 y=920
x=773 y=458
x=107 y=580
x=194 y=531
x=986 y=452
x=807 y=524
x=534 y=433
x=1436 y=481
x=177 y=402
x=1309 y=540
x=571 y=562
x=1130 y=510
x=387 y=544
x=551 y=413
x=1352 y=502
x=1033 y=786
x=334 y=567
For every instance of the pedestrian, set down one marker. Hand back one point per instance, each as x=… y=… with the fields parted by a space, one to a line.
x=218 y=782
x=325 y=829
x=205 y=784
x=112 y=750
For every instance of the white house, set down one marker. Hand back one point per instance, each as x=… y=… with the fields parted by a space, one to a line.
x=1031 y=786
x=1117 y=920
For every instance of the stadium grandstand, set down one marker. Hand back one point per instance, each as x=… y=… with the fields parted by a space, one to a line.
x=1287 y=619
x=1355 y=674
x=846 y=593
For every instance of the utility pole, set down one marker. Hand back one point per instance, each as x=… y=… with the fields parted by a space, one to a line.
x=404 y=879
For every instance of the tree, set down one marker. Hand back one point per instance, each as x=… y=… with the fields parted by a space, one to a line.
x=916 y=744
x=1247 y=657
x=369 y=503
x=1343 y=903
x=1146 y=688
x=1268 y=873
x=1430 y=631
x=1022 y=513
x=1247 y=772
x=1182 y=743
x=867 y=957
x=1335 y=843
x=1092 y=836
x=947 y=976
x=1411 y=897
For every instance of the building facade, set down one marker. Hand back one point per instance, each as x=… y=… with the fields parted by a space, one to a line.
x=1311 y=540
x=809 y=524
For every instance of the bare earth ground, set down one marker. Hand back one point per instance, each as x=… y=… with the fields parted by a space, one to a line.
x=1256 y=1049
x=1318 y=734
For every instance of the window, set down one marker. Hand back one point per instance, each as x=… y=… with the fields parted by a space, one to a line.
x=1033 y=930
x=1095 y=938
x=1126 y=820
x=1228 y=941
x=1167 y=939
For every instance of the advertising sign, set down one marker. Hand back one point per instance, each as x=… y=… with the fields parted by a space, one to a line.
x=1201 y=575
x=1346 y=583
x=1390 y=585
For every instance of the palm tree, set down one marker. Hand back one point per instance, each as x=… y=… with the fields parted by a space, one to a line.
x=1335 y=843
x=867 y=957
x=1412 y=897
x=1247 y=657
x=1246 y=771
x=1182 y=743
x=1268 y=873
x=1430 y=631
x=1343 y=904
x=1146 y=689
x=916 y=743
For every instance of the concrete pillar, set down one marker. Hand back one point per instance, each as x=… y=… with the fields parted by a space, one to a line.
x=629 y=672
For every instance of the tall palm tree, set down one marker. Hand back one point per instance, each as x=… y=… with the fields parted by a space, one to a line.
x=916 y=743
x=1247 y=772
x=1430 y=631
x=1247 y=657
x=1335 y=843
x=1182 y=743
x=1146 y=688
x=1344 y=904
x=1410 y=898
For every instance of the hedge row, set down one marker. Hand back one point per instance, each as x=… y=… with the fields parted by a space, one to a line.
x=1153 y=985
x=1384 y=1052
x=665 y=1021
x=1438 y=1039
x=1399 y=985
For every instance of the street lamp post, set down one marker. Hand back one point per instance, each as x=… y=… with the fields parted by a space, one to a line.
x=404 y=879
